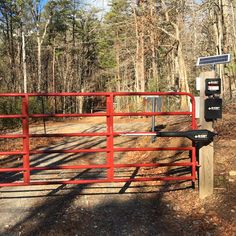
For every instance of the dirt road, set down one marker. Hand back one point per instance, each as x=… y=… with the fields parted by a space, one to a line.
x=110 y=209
x=19 y=203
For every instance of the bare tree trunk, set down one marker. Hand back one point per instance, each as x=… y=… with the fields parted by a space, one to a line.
x=53 y=78
x=139 y=58
x=40 y=42
x=233 y=74
x=182 y=70
x=118 y=78
x=81 y=102
x=234 y=28
x=13 y=54
x=152 y=39
x=142 y=58
x=39 y=63
x=220 y=47
x=184 y=86
x=24 y=61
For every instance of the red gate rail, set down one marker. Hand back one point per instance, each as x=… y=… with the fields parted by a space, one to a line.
x=110 y=134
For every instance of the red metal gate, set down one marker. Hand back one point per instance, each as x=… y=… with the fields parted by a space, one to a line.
x=110 y=134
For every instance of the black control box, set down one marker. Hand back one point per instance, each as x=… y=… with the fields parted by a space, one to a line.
x=213 y=109
x=212 y=86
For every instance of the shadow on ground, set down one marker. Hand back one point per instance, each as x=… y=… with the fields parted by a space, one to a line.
x=122 y=214
x=112 y=209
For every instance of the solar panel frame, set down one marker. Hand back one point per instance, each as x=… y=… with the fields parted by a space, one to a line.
x=213 y=60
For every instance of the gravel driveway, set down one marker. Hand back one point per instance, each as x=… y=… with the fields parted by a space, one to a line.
x=119 y=209
x=27 y=206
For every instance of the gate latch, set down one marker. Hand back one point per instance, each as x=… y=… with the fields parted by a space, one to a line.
x=203 y=135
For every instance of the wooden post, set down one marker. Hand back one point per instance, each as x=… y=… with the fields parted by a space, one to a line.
x=206 y=153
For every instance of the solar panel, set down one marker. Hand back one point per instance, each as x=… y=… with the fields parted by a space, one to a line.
x=213 y=60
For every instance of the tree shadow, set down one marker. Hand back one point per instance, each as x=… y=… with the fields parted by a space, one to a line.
x=122 y=214
x=56 y=159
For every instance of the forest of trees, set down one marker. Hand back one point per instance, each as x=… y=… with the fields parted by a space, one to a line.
x=135 y=45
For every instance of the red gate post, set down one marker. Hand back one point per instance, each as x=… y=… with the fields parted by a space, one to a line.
x=25 y=127
x=194 y=164
x=110 y=137
x=194 y=152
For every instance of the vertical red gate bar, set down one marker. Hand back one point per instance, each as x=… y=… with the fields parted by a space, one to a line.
x=110 y=136
x=194 y=161
x=26 y=148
